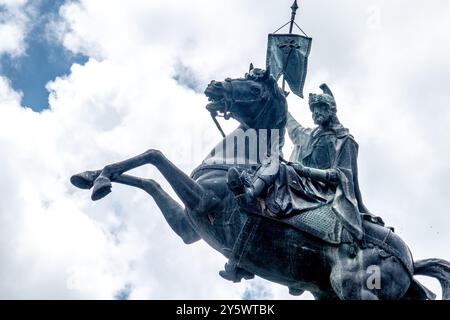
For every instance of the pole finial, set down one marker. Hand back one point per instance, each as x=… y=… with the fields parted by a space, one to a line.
x=294 y=8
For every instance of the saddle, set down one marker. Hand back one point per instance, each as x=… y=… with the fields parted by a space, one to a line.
x=320 y=222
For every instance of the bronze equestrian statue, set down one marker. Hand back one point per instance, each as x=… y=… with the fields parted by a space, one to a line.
x=300 y=223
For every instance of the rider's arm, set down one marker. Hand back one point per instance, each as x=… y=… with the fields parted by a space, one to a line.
x=295 y=130
x=328 y=176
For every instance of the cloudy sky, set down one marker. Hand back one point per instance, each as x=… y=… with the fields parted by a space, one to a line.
x=86 y=83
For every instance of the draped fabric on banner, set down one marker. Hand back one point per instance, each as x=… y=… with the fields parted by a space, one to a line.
x=287 y=54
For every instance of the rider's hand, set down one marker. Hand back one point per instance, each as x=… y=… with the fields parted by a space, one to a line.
x=300 y=168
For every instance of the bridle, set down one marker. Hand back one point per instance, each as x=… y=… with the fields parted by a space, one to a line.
x=231 y=102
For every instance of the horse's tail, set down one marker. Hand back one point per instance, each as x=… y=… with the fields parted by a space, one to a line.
x=436 y=268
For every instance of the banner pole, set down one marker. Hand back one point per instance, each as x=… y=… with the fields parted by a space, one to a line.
x=294 y=8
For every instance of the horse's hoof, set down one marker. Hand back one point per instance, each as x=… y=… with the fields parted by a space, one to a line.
x=85 y=180
x=235 y=274
x=102 y=187
x=229 y=276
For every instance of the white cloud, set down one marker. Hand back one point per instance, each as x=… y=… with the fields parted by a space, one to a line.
x=58 y=244
x=13 y=3
x=13 y=26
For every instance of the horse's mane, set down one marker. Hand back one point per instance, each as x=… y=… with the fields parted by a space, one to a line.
x=279 y=96
x=277 y=114
x=276 y=121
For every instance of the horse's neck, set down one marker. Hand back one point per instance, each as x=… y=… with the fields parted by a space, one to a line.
x=246 y=147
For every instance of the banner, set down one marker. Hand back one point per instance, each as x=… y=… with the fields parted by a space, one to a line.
x=287 y=54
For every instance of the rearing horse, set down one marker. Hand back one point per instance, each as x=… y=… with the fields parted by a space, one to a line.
x=269 y=248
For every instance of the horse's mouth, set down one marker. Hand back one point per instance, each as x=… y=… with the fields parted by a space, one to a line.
x=215 y=104
x=217 y=93
x=216 y=99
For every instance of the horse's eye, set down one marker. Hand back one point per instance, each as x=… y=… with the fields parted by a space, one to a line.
x=255 y=90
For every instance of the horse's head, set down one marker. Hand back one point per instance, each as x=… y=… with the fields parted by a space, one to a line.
x=255 y=101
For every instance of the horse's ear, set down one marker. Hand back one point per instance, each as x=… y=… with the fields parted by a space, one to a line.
x=266 y=74
x=251 y=67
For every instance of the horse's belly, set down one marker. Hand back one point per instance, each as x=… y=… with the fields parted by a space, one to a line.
x=285 y=255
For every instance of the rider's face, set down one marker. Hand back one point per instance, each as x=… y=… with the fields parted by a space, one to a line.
x=321 y=114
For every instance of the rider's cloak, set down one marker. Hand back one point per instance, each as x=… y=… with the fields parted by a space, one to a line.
x=333 y=148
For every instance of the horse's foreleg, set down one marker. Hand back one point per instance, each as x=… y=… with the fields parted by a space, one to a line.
x=190 y=192
x=172 y=211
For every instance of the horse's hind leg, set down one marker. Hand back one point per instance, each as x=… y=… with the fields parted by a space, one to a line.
x=172 y=211
x=367 y=274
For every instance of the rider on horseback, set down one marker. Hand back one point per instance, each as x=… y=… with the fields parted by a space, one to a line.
x=315 y=200
x=323 y=167
x=322 y=171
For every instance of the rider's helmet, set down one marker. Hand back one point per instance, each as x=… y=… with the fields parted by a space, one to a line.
x=326 y=98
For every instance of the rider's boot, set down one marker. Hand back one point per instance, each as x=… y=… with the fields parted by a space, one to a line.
x=246 y=190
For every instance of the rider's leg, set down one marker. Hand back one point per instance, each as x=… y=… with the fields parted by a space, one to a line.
x=247 y=188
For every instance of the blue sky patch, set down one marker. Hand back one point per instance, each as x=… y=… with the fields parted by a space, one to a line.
x=124 y=293
x=44 y=59
x=186 y=77
x=256 y=290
